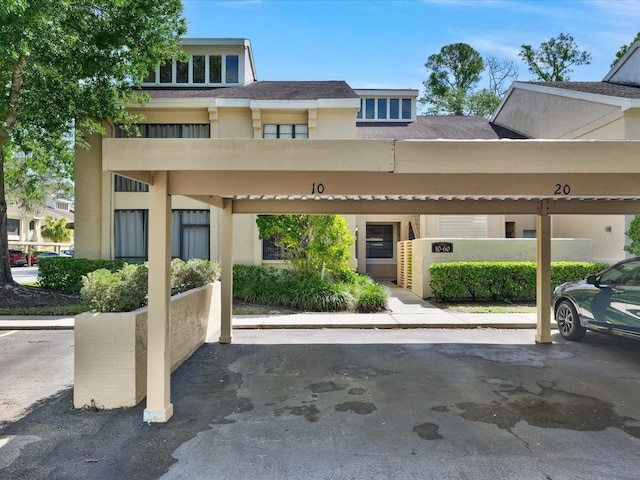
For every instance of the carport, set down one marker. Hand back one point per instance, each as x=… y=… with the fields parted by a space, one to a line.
x=540 y=177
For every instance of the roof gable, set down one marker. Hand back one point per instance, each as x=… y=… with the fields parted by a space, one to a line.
x=627 y=69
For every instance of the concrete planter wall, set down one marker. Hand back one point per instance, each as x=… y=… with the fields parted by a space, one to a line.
x=111 y=348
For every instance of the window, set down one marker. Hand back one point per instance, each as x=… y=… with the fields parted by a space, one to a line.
x=285 y=131
x=380 y=241
x=270 y=251
x=169 y=130
x=13 y=226
x=123 y=184
x=199 y=66
x=382 y=108
x=32 y=225
x=385 y=109
x=406 y=109
x=131 y=235
x=198 y=70
x=182 y=72
x=232 y=69
x=166 y=72
x=215 y=69
x=369 y=108
x=395 y=109
x=190 y=234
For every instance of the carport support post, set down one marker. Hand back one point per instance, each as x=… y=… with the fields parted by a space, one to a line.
x=543 y=279
x=159 y=407
x=226 y=274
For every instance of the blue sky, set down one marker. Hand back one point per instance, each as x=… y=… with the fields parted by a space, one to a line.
x=385 y=43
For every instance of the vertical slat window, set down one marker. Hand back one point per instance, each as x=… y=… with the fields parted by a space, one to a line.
x=182 y=72
x=232 y=69
x=166 y=72
x=382 y=108
x=370 y=108
x=131 y=234
x=215 y=69
x=406 y=109
x=394 y=108
x=199 y=66
x=123 y=184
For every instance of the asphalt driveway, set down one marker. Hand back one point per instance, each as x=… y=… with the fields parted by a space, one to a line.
x=359 y=404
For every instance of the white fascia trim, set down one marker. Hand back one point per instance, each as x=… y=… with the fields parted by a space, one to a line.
x=232 y=102
x=387 y=92
x=623 y=103
x=175 y=103
x=342 y=103
x=215 y=41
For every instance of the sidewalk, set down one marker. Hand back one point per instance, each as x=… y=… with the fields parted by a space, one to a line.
x=405 y=311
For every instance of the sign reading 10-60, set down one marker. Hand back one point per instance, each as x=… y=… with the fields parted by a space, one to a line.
x=442 y=247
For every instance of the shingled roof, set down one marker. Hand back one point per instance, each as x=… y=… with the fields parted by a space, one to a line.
x=435 y=127
x=277 y=90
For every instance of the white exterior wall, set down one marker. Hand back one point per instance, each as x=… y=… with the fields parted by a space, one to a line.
x=482 y=250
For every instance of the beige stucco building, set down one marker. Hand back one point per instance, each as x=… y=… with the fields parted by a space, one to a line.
x=216 y=95
x=219 y=147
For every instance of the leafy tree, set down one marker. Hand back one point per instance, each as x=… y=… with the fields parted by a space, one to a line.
x=551 y=62
x=455 y=71
x=314 y=244
x=65 y=65
x=633 y=235
x=37 y=173
x=623 y=49
x=55 y=229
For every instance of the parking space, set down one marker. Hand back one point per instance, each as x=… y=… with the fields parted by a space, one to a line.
x=362 y=404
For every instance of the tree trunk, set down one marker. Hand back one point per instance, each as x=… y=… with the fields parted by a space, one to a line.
x=5 y=267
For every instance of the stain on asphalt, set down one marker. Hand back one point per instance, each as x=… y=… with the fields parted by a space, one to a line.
x=361 y=408
x=428 y=431
x=324 y=387
x=357 y=391
x=361 y=371
x=309 y=412
x=550 y=408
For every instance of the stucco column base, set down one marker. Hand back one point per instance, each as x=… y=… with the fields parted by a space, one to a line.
x=225 y=339
x=544 y=338
x=158 y=416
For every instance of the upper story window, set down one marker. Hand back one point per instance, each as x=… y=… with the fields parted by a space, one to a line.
x=169 y=130
x=386 y=109
x=198 y=70
x=13 y=226
x=285 y=131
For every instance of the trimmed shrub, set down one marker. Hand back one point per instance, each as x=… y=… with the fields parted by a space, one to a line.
x=283 y=287
x=65 y=273
x=127 y=289
x=120 y=291
x=500 y=281
x=191 y=274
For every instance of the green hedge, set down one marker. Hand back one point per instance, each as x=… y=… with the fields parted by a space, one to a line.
x=65 y=273
x=271 y=286
x=500 y=281
x=127 y=289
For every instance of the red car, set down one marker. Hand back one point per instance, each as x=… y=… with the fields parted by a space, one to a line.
x=17 y=258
